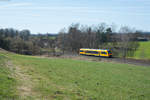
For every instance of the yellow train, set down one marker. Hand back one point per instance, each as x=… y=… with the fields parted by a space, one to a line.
x=96 y=52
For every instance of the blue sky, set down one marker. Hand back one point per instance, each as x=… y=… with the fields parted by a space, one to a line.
x=42 y=16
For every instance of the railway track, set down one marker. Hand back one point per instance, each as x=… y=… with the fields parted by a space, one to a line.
x=126 y=61
x=114 y=59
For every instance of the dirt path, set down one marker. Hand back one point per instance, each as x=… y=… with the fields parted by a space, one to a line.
x=25 y=83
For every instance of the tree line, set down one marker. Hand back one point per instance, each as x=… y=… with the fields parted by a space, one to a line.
x=23 y=42
x=123 y=43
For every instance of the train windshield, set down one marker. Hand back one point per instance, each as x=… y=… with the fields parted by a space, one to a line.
x=109 y=52
x=81 y=51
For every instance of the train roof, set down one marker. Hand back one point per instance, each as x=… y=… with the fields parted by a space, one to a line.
x=93 y=49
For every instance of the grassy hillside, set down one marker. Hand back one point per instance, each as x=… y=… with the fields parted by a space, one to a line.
x=66 y=79
x=143 y=51
x=7 y=82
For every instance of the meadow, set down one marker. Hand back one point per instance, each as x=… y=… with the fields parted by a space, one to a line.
x=66 y=79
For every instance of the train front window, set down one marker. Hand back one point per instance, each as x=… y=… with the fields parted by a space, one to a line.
x=109 y=52
x=81 y=50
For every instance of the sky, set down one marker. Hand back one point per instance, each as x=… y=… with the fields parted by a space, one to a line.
x=50 y=16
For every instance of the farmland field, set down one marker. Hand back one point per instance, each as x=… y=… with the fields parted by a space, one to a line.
x=143 y=52
x=67 y=79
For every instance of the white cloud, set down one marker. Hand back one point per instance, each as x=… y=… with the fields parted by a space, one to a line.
x=128 y=10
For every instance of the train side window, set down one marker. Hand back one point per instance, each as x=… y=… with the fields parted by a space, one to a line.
x=95 y=52
x=103 y=53
x=88 y=51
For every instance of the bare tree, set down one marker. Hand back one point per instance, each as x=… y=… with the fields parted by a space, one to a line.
x=127 y=41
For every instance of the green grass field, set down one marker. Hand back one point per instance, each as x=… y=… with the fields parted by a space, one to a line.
x=66 y=79
x=143 y=52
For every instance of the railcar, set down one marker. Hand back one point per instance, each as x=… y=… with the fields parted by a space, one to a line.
x=96 y=52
